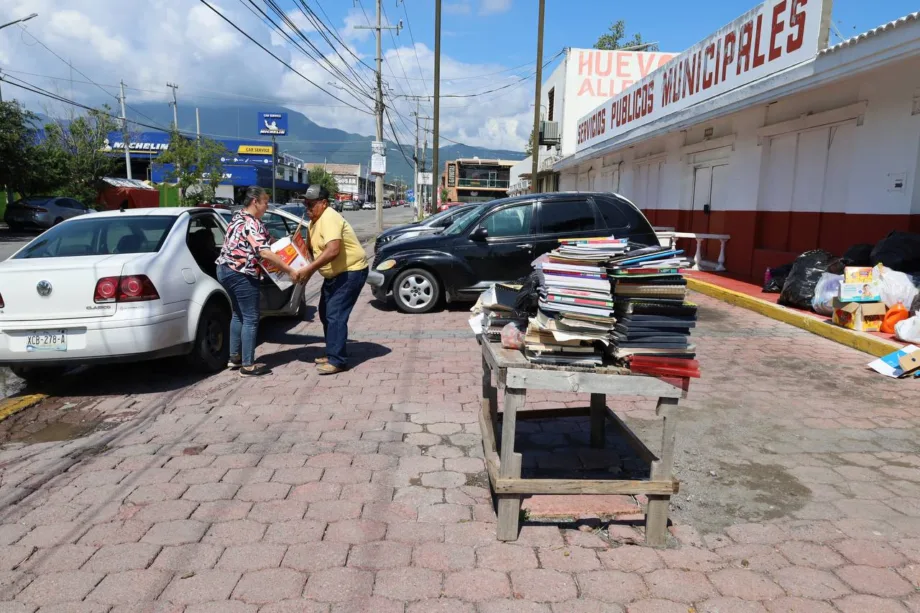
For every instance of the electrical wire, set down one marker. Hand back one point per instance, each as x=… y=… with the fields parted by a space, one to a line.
x=291 y=68
x=418 y=61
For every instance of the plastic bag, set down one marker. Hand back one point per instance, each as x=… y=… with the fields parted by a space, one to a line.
x=908 y=330
x=775 y=278
x=898 y=250
x=858 y=255
x=895 y=287
x=512 y=337
x=895 y=314
x=807 y=269
x=826 y=290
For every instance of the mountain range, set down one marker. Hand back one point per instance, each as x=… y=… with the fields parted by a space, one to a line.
x=306 y=139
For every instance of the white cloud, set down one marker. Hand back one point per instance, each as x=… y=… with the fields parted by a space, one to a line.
x=458 y=8
x=158 y=41
x=491 y=7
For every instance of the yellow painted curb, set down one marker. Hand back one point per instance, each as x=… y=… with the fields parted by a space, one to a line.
x=11 y=406
x=857 y=340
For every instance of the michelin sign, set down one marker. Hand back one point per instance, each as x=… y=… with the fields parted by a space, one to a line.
x=273 y=124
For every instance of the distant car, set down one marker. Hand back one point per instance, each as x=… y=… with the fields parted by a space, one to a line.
x=126 y=286
x=351 y=205
x=219 y=203
x=387 y=203
x=42 y=212
x=368 y=206
x=446 y=205
x=497 y=241
x=296 y=209
x=435 y=223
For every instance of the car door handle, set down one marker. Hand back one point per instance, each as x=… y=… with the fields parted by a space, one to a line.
x=525 y=246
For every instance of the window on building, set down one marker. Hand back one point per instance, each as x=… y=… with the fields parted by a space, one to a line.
x=551 y=105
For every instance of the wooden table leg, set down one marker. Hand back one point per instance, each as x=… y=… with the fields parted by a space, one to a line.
x=489 y=395
x=509 y=506
x=598 y=420
x=656 y=518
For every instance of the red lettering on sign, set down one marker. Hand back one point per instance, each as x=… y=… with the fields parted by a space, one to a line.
x=627 y=83
x=759 y=57
x=709 y=56
x=689 y=77
x=650 y=100
x=776 y=30
x=666 y=86
x=584 y=62
x=598 y=59
x=744 y=49
x=586 y=88
x=728 y=53
x=645 y=67
x=622 y=65
x=797 y=23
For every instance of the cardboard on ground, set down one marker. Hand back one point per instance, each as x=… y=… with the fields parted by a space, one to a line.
x=293 y=255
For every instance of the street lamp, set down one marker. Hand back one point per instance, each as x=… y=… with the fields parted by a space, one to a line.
x=24 y=19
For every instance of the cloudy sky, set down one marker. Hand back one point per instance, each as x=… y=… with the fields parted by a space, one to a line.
x=487 y=44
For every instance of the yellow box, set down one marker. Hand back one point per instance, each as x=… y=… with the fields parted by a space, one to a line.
x=859 y=316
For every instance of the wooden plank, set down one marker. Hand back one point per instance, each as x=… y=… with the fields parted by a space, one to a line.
x=489 y=449
x=585 y=486
x=634 y=442
x=509 y=506
x=598 y=420
x=656 y=518
x=551 y=413
x=592 y=383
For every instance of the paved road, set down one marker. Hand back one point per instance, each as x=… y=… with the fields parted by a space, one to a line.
x=366 y=491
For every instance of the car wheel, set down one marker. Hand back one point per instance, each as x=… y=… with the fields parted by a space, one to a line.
x=15 y=227
x=38 y=374
x=416 y=291
x=211 y=350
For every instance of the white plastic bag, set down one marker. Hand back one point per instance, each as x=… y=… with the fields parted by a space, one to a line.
x=826 y=290
x=895 y=287
x=908 y=330
x=512 y=337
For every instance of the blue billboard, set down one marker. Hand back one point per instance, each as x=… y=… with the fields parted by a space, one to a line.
x=273 y=124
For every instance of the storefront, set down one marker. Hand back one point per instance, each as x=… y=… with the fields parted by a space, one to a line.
x=765 y=133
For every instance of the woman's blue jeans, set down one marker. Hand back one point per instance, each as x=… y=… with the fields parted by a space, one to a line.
x=244 y=297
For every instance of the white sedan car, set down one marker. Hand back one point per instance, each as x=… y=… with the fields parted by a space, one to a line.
x=126 y=286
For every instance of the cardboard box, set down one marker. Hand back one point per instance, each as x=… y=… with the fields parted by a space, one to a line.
x=859 y=292
x=293 y=255
x=859 y=274
x=859 y=316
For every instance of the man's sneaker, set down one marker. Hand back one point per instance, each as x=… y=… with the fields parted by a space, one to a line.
x=256 y=370
x=235 y=362
x=322 y=360
x=329 y=369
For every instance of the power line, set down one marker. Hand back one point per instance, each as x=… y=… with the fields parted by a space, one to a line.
x=291 y=68
x=418 y=61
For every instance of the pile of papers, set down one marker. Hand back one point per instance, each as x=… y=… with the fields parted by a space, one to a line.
x=575 y=315
x=654 y=318
x=497 y=304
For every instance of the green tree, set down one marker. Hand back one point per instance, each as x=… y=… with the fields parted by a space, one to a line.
x=76 y=155
x=528 y=150
x=197 y=169
x=615 y=38
x=318 y=175
x=27 y=165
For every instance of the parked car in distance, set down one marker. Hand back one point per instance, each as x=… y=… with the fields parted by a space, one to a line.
x=219 y=203
x=42 y=212
x=497 y=241
x=368 y=206
x=125 y=286
x=351 y=205
x=446 y=205
x=434 y=223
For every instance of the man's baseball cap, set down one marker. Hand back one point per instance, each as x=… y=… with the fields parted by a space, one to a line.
x=316 y=192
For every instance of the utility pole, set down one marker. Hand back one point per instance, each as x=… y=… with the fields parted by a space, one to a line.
x=435 y=173
x=124 y=126
x=535 y=152
x=198 y=133
x=175 y=106
x=274 y=172
x=419 y=168
x=378 y=106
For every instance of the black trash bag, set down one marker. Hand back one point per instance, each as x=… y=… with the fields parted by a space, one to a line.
x=525 y=303
x=899 y=251
x=776 y=279
x=807 y=269
x=858 y=255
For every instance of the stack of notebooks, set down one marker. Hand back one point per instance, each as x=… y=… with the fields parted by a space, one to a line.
x=575 y=317
x=653 y=316
x=498 y=311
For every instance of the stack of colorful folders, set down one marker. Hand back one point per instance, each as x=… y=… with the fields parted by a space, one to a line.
x=653 y=316
x=575 y=316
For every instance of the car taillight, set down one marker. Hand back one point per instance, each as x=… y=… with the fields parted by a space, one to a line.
x=132 y=288
x=39 y=209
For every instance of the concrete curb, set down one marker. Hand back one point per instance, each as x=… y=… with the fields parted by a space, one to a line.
x=11 y=406
x=857 y=340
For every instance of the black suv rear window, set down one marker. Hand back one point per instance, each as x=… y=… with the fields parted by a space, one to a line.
x=619 y=215
x=566 y=216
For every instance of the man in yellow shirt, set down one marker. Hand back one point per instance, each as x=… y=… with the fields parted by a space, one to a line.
x=340 y=259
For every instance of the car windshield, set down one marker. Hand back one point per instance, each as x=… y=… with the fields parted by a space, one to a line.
x=464 y=222
x=101 y=236
x=437 y=216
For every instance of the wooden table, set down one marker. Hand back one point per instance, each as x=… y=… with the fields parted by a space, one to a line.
x=516 y=375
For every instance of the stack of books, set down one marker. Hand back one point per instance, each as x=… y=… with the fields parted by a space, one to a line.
x=654 y=319
x=498 y=311
x=575 y=317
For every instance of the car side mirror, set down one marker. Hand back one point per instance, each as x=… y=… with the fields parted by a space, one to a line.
x=479 y=234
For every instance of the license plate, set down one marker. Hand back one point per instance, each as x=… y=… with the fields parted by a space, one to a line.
x=46 y=340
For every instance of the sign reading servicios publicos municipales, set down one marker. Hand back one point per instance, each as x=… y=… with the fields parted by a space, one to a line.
x=771 y=37
x=273 y=124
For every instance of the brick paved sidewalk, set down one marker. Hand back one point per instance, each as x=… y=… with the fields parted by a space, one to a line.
x=365 y=491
